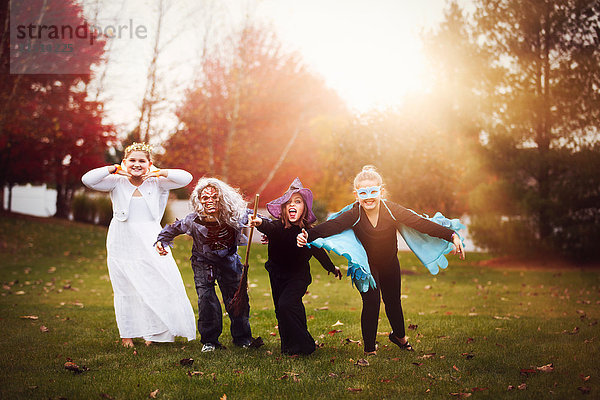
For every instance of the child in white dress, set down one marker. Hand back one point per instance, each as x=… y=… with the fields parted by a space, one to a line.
x=149 y=295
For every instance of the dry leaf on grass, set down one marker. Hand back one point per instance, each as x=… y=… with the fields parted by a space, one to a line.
x=153 y=394
x=186 y=361
x=546 y=368
x=44 y=329
x=584 y=389
x=71 y=366
x=354 y=389
x=34 y=317
x=362 y=362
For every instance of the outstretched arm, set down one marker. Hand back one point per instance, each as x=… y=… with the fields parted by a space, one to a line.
x=167 y=234
x=322 y=256
x=103 y=179
x=171 y=178
x=331 y=227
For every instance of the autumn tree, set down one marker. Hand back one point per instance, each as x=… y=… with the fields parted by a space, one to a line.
x=546 y=115
x=248 y=118
x=49 y=131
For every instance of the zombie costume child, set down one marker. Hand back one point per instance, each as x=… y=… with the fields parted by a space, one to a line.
x=288 y=265
x=215 y=226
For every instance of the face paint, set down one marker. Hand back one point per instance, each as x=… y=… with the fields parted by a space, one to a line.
x=209 y=198
x=370 y=192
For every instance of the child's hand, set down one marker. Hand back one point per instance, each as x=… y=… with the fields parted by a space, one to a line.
x=156 y=173
x=252 y=222
x=118 y=170
x=336 y=273
x=302 y=238
x=458 y=246
x=264 y=239
x=160 y=249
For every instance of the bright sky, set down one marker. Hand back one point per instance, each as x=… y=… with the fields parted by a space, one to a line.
x=368 y=51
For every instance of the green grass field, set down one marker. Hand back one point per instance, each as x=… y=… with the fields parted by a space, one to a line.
x=478 y=332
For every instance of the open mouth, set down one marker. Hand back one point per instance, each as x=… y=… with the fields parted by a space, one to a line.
x=292 y=213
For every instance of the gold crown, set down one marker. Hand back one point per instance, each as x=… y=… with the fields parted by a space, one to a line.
x=138 y=147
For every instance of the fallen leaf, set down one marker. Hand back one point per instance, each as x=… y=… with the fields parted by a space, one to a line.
x=44 y=329
x=348 y=340
x=525 y=371
x=522 y=386
x=412 y=327
x=186 y=361
x=584 y=389
x=468 y=356
x=332 y=375
x=510 y=387
x=194 y=373
x=338 y=323
x=426 y=356
x=546 y=368
x=573 y=332
x=417 y=364
x=478 y=389
x=322 y=308
x=106 y=396
x=461 y=395
x=454 y=367
x=470 y=340
x=29 y=317
x=153 y=394
x=354 y=389
x=51 y=270
x=224 y=397
x=362 y=362
x=71 y=366
x=385 y=380
x=20 y=292
x=333 y=332
x=585 y=378
x=428 y=287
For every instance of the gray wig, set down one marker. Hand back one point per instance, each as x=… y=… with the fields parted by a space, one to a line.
x=232 y=207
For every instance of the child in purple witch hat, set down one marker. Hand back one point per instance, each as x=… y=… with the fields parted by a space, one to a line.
x=288 y=265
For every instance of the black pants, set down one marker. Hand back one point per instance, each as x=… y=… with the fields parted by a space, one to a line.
x=388 y=282
x=210 y=315
x=291 y=315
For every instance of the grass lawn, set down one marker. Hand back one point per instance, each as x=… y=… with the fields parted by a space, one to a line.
x=478 y=332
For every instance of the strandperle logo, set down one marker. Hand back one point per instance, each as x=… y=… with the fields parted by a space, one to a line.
x=48 y=38
x=83 y=31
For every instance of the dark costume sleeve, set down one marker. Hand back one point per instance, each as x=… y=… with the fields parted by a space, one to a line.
x=267 y=227
x=406 y=217
x=322 y=256
x=170 y=232
x=334 y=226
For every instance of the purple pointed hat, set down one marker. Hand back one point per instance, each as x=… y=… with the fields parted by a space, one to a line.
x=274 y=207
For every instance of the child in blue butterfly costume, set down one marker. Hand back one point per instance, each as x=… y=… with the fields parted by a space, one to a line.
x=365 y=233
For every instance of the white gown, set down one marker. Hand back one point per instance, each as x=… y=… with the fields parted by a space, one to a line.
x=150 y=298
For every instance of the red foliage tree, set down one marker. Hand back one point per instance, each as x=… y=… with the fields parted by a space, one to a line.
x=49 y=132
x=249 y=117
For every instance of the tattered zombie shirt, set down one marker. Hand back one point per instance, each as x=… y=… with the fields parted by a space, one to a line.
x=213 y=243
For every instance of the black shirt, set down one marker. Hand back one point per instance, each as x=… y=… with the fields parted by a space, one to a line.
x=380 y=242
x=285 y=257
